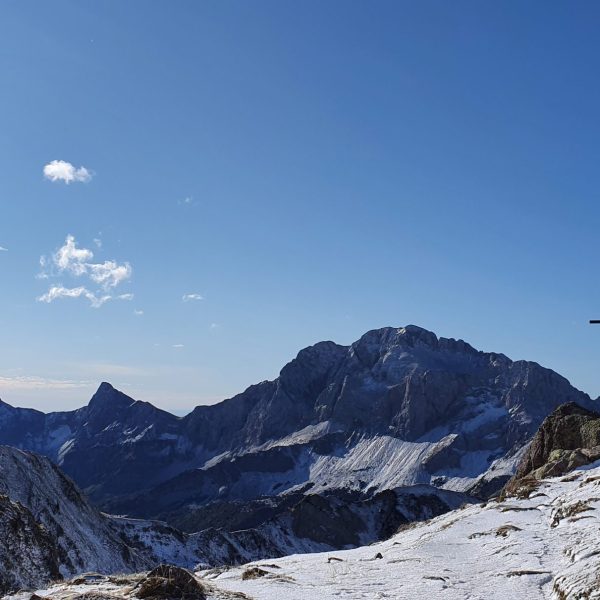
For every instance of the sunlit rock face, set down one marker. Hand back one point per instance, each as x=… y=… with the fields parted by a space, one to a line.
x=567 y=439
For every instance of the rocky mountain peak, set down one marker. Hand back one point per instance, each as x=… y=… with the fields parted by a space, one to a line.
x=388 y=337
x=106 y=405
x=107 y=396
x=410 y=339
x=307 y=373
x=414 y=334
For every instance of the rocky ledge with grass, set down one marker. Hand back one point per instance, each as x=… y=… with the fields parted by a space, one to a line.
x=567 y=439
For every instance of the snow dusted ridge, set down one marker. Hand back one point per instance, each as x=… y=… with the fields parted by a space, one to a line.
x=78 y=537
x=544 y=546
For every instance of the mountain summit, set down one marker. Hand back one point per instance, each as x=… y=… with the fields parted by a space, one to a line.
x=106 y=394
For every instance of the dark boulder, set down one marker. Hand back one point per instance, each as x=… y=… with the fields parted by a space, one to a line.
x=253 y=573
x=169 y=582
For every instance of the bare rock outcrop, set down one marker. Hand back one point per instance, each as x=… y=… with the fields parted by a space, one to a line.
x=568 y=438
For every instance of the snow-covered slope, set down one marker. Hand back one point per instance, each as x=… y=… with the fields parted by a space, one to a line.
x=312 y=523
x=545 y=546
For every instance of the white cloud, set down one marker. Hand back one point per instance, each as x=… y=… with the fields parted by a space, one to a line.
x=77 y=262
x=214 y=326
x=109 y=273
x=73 y=259
x=59 y=291
x=60 y=170
x=178 y=346
x=137 y=312
x=3 y=249
x=192 y=297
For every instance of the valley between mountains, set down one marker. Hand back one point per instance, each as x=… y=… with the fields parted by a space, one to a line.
x=347 y=447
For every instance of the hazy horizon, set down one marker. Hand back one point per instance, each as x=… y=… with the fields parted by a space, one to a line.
x=28 y=395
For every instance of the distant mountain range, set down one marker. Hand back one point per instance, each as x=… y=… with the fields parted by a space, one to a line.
x=399 y=407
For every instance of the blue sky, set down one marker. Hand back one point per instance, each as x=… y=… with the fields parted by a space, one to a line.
x=312 y=170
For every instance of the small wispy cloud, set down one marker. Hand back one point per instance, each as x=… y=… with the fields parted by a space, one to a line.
x=61 y=170
x=107 y=371
x=96 y=301
x=3 y=249
x=137 y=312
x=214 y=326
x=72 y=260
x=59 y=291
x=35 y=383
x=178 y=345
x=192 y=297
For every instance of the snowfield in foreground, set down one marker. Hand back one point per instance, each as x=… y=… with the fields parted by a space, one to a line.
x=545 y=546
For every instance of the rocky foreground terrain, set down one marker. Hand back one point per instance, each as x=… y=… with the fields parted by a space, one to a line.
x=545 y=545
